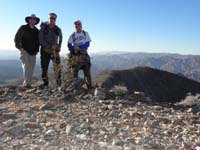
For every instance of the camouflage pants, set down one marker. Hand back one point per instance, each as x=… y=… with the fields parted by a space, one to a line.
x=86 y=67
x=45 y=60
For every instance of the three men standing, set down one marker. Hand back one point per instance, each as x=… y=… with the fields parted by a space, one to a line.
x=26 y=40
x=50 y=37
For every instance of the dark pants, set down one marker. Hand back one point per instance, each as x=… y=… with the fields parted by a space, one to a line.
x=45 y=60
x=86 y=71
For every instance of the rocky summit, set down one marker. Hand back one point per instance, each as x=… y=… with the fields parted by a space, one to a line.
x=73 y=118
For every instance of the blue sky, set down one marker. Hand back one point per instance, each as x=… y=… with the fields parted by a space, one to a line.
x=114 y=25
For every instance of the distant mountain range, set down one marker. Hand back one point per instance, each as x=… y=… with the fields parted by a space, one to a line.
x=185 y=65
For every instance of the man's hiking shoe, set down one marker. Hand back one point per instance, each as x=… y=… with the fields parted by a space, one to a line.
x=89 y=87
x=43 y=86
x=59 y=82
x=24 y=88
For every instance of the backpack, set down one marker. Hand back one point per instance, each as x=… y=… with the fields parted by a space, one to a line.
x=73 y=35
x=46 y=31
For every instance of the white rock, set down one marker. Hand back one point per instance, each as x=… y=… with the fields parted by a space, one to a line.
x=197 y=148
x=50 y=132
x=81 y=136
x=99 y=94
x=102 y=144
x=68 y=129
x=119 y=90
x=110 y=106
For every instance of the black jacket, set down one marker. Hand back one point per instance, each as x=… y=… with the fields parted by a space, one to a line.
x=27 y=38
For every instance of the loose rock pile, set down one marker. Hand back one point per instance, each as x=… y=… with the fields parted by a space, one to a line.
x=73 y=118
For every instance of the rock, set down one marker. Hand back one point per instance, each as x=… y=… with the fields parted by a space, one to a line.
x=139 y=93
x=50 y=132
x=119 y=90
x=110 y=106
x=102 y=144
x=197 y=148
x=129 y=122
x=120 y=106
x=99 y=94
x=62 y=125
x=68 y=129
x=8 y=123
x=38 y=91
x=48 y=124
x=114 y=147
x=46 y=106
x=50 y=113
x=9 y=116
x=2 y=109
x=118 y=143
x=17 y=130
x=75 y=84
x=189 y=110
x=32 y=125
x=81 y=136
x=88 y=96
x=3 y=100
x=1 y=131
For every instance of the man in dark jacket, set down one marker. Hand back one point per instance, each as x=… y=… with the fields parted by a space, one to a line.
x=26 y=40
x=50 y=37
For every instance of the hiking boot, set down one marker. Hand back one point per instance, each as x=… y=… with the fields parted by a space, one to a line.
x=24 y=88
x=89 y=87
x=43 y=86
x=28 y=86
x=59 y=82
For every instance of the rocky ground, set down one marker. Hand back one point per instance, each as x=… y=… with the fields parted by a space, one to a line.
x=73 y=118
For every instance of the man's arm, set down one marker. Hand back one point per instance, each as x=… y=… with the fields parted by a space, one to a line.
x=18 y=38
x=70 y=45
x=87 y=42
x=85 y=46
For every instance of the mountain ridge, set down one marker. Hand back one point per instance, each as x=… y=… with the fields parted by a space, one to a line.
x=187 y=65
x=157 y=84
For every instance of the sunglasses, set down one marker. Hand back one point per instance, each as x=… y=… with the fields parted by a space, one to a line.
x=52 y=18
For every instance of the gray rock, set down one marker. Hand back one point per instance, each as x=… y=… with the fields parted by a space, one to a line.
x=1 y=132
x=118 y=143
x=32 y=125
x=17 y=130
x=81 y=136
x=99 y=94
x=103 y=144
x=46 y=106
x=8 y=123
x=9 y=116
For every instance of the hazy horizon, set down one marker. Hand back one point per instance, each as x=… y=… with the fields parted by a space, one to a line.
x=14 y=53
